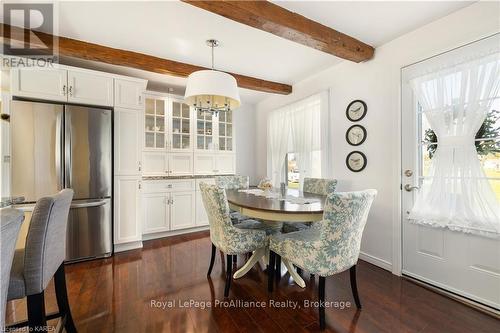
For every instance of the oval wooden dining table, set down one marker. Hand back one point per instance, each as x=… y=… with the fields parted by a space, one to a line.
x=274 y=211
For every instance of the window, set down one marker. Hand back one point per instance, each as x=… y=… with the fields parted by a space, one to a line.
x=487 y=146
x=298 y=142
x=292 y=171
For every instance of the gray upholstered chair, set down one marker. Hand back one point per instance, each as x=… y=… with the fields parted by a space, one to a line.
x=320 y=186
x=329 y=246
x=11 y=220
x=41 y=259
x=235 y=182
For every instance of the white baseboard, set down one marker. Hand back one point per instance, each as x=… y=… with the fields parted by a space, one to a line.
x=128 y=246
x=163 y=234
x=376 y=261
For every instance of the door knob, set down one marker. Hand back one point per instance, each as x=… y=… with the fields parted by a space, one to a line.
x=410 y=188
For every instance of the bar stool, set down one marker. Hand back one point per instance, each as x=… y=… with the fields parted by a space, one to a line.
x=43 y=258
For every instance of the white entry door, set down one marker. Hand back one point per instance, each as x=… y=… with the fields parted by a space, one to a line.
x=464 y=264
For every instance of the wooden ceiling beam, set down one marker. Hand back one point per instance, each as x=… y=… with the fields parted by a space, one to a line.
x=89 y=51
x=281 y=22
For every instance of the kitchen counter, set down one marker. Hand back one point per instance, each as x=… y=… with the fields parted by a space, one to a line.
x=180 y=177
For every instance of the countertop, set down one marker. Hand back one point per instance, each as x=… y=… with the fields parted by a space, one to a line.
x=181 y=177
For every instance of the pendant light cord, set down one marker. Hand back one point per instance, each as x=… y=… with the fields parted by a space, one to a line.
x=213 y=46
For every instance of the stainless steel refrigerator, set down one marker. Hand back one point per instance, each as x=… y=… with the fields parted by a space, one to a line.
x=55 y=146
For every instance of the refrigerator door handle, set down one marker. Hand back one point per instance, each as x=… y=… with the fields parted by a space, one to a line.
x=67 y=153
x=58 y=152
x=87 y=204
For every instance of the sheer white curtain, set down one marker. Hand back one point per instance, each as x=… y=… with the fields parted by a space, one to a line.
x=278 y=134
x=305 y=120
x=455 y=102
x=302 y=128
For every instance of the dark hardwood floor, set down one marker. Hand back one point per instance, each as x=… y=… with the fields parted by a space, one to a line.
x=116 y=295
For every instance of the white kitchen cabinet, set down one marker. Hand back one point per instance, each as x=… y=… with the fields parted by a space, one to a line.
x=180 y=164
x=47 y=84
x=167 y=164
x=129 y=93
x=128 y=144
x=204 y=163
x=225 y=163
x=201 y=213
x=127 y=202
x=155 y=163
x=156 y=212
x=85 y=87
x=182 y=213
x=180 y=126
x=168 y=205
x=168 y=124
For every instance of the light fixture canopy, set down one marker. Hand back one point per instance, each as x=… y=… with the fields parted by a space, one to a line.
x=210 y=90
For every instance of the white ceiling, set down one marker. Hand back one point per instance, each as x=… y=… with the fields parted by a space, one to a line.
x=177 y=31
x=374 y=22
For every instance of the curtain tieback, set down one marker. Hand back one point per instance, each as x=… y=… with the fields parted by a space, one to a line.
x=455 y=141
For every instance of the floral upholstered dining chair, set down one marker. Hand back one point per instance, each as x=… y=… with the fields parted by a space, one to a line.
x=235 y=182
x=320 y=186
x=329 y=246
x=228 y=238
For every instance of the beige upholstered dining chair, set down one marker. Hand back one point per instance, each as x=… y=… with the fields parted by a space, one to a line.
x=40 y=260
x=329 y=246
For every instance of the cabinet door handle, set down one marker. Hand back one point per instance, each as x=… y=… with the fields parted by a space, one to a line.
x=169 y=186
x=140 y=99
x=139 y=166
x=64 y=90
x=140 y=185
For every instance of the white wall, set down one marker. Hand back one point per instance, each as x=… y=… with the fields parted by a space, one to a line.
x=244 y=129
x=377 y=82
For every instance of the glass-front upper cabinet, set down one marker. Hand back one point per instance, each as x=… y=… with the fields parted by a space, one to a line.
x=154 y=123
x=167 y=124
x=225 y=131
x=181 y=126
x=204 y=130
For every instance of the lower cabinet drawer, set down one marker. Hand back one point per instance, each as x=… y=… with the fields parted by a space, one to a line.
x=177 y=185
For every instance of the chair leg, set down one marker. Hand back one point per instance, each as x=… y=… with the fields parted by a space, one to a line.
x=354 y=286
x=62 y=299
x=270 y=271
x=278 y=267
x=299 y=270
x=37 y=321
x=212 y=260
x=321 y=297
x=229 y=275
x=235 y=258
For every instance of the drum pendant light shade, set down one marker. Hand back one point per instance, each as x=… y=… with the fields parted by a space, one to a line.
x=212 y=90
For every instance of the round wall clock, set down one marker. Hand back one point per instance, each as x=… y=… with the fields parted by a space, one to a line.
x=356 y=110
x=355 y=135
x=356 y=161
